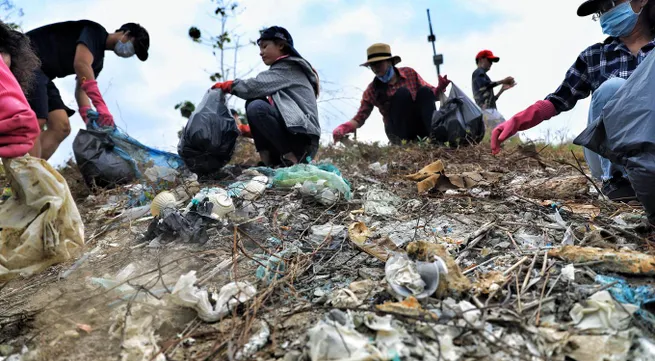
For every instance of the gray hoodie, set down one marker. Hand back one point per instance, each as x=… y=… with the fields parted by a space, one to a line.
x=293 y=85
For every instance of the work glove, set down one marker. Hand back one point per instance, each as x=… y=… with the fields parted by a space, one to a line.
x=225 y=86
x=443 y=83
x=84 y=111
x=343 y=129
x=529 y=118
x=105 y=119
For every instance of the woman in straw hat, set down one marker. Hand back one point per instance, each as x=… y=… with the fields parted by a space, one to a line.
x=404 y=99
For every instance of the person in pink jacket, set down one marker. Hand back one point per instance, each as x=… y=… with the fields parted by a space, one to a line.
x=19 y=127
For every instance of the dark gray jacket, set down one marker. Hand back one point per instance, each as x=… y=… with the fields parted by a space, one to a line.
x=294 y=87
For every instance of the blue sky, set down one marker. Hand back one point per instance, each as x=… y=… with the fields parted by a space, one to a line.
x=534 y=41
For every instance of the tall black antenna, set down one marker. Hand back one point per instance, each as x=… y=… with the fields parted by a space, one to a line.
x=436 y=58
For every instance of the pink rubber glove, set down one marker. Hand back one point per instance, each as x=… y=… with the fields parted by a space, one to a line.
x=19 y=127
x=83 y=113
x=530 y=117
x=105 y=118
x=443 y=83
x=342 y=130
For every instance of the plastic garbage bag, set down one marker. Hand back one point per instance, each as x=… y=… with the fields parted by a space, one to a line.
x=40 y=224
x=459 y=121
x=299 y=173
x=624 y=133
x=107 y=157
x=99 y=161
x=210 y=135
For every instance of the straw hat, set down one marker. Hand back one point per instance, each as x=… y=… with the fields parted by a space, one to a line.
x=379 y=52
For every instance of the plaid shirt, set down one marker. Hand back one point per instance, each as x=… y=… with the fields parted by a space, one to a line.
x=597 y=63
x=407 y=77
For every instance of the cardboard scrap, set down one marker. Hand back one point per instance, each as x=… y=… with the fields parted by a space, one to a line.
x=567 y=187
x=381 y=248
x=434 y=176
x=489 y=282
x=614 y=261
x=409 y=307
x=452 y=284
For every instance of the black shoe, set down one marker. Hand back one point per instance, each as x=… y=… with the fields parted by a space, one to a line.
x=618 y=189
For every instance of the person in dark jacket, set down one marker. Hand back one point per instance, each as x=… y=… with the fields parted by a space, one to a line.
x=600 y=70
x=281 y=102
x=405 y=100
x=76 y=48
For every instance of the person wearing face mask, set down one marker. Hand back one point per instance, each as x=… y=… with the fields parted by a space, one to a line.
x=405 y=100
x=76 y=48
x=280 y=102
x=600 y=70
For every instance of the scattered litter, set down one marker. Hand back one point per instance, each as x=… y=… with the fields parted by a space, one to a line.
x=381 y=203
x=326 y=232
x=210 y=308
x=378 y=169
x=609 y=260
x=454 y=282
x=600 y=311
x=409 y=278
x=256 y=342
x=568 y=273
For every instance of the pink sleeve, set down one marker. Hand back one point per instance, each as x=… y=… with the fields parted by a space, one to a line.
x=18 y=124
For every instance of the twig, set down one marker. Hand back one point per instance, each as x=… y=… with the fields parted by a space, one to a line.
x=543 y=289
x=480 y=265
x=528 y=274
x=515 y=266
x=514 y=243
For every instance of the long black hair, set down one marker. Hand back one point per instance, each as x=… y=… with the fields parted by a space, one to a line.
x=24 y=61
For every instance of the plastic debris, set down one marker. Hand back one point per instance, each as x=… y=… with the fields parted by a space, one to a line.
x=256 y=342
x=378 y=169
x=214 y=308
x=641 y=296
x=335 y=338
x=381 y=203
x=300 y=173
x=568 y=273
x=40 y=224
x=454 y=282
x=600 y=311
x=274 y=265
x=321 y=233
x=409 y=278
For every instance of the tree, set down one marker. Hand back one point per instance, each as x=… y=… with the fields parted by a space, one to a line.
x=10 y=10
x=225 y=46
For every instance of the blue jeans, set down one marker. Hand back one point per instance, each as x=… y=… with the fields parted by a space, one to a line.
x=600 y=167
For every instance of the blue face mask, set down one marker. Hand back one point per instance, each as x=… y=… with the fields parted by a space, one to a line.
x=620 y=21
x=387 y=76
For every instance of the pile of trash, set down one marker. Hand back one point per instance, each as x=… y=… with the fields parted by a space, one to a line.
x=437 y=260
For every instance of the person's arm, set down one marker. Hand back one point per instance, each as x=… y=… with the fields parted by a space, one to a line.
x=86 y=81
x=83 y=101
x=264 y=84
x=576 y=86
x=440 y=88
x=18 y=124
x=365 y=108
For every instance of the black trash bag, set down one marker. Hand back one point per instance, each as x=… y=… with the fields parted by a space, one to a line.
x=209 y=137
x=458 y=122
x=192 y=227
x=625 y=132
x=100 y=165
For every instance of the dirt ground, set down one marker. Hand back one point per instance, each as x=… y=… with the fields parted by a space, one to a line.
x=507 y=219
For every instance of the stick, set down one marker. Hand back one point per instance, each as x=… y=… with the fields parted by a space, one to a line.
x=518 y=294
x=480 y=265
x=527 y=276
x=543 y=289
x=545 y=265
x=514 y=243
x=515 y=266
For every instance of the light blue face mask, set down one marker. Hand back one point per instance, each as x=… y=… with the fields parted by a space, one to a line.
x=620 y=21
x=387 y=76
x=124 y=50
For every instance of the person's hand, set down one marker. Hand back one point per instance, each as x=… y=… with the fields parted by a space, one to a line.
x=507 y=86
x=343 y=129
x=530 y=117
x=443 y=83
x=508 y=81
x=105 y=118
x=225 y=86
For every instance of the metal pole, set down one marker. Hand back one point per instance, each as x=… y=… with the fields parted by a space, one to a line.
x=436 y=58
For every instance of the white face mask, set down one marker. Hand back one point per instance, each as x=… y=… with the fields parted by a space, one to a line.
x=124 y=50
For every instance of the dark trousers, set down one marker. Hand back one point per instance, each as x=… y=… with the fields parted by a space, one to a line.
x=410 y=118
x=270 y=133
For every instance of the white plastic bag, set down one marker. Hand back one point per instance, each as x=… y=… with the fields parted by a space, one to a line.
x=40 y=224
